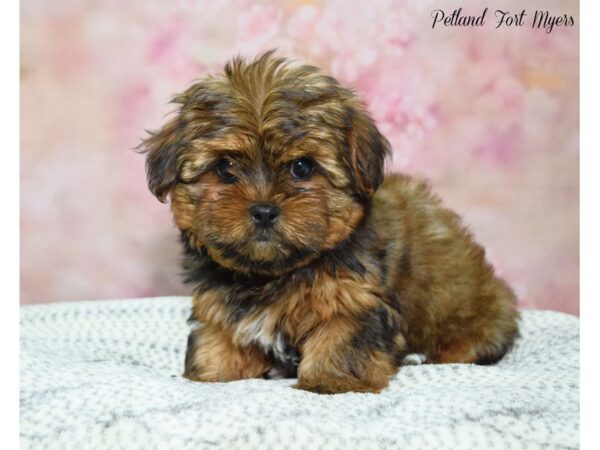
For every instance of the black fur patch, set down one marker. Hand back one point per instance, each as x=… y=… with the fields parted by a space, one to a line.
x=377 y=331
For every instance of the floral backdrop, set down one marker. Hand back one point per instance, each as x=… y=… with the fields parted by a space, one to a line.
x=490 y=116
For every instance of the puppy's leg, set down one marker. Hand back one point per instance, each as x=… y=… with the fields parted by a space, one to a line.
x=484 y=341
x=341 y=357
x=212 y=356
x=478 y=348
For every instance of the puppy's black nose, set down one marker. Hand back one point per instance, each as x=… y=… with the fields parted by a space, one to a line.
x=264 y=215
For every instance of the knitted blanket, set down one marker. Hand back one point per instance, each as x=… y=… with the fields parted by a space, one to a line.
x=107 y=375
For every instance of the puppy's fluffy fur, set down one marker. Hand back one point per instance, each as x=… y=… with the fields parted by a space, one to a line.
x=338 y=274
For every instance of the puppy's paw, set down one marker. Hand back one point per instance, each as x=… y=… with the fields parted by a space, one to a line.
x=339 y=386
x=413 y=359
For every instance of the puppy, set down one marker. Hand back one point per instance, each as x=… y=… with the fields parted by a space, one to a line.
x=305 y=261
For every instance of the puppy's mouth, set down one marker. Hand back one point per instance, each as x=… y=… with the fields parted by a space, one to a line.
x=261 y=247
x=265 y=236
x=263 y=254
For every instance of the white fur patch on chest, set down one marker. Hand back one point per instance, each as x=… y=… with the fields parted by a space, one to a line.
x=255 y=330
x=259 y=330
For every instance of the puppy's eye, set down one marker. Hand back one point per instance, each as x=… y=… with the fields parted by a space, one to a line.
x=223 y=169
x=302 y=168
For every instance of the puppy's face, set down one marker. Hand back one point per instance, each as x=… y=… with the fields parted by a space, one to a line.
x=267 y=166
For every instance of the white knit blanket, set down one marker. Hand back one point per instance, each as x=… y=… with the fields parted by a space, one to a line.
x=108 y=375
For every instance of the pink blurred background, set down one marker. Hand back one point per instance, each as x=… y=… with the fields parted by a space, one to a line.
x=490 y=116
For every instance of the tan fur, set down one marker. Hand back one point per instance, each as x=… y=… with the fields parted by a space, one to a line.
x=325 y=369
x=353 y=275
x=451 y=294
x=218 y=359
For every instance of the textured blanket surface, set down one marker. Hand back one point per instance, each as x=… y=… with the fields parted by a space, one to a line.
x=108 y=375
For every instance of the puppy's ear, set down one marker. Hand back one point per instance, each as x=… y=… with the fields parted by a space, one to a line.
x=162 y=149
x=366 y=150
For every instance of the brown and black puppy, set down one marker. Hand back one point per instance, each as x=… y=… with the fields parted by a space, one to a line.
x=305 y=261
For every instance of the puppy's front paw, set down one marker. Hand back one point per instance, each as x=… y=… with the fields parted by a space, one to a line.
x=337 y=386
x=211 y=356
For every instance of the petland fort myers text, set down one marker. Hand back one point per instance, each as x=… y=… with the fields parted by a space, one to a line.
x=502 y=19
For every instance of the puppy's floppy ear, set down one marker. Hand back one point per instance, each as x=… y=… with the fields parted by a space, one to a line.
x=162 y=148
x=366 y=150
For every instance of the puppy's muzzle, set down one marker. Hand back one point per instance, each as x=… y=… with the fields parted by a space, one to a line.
x=264 y=215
